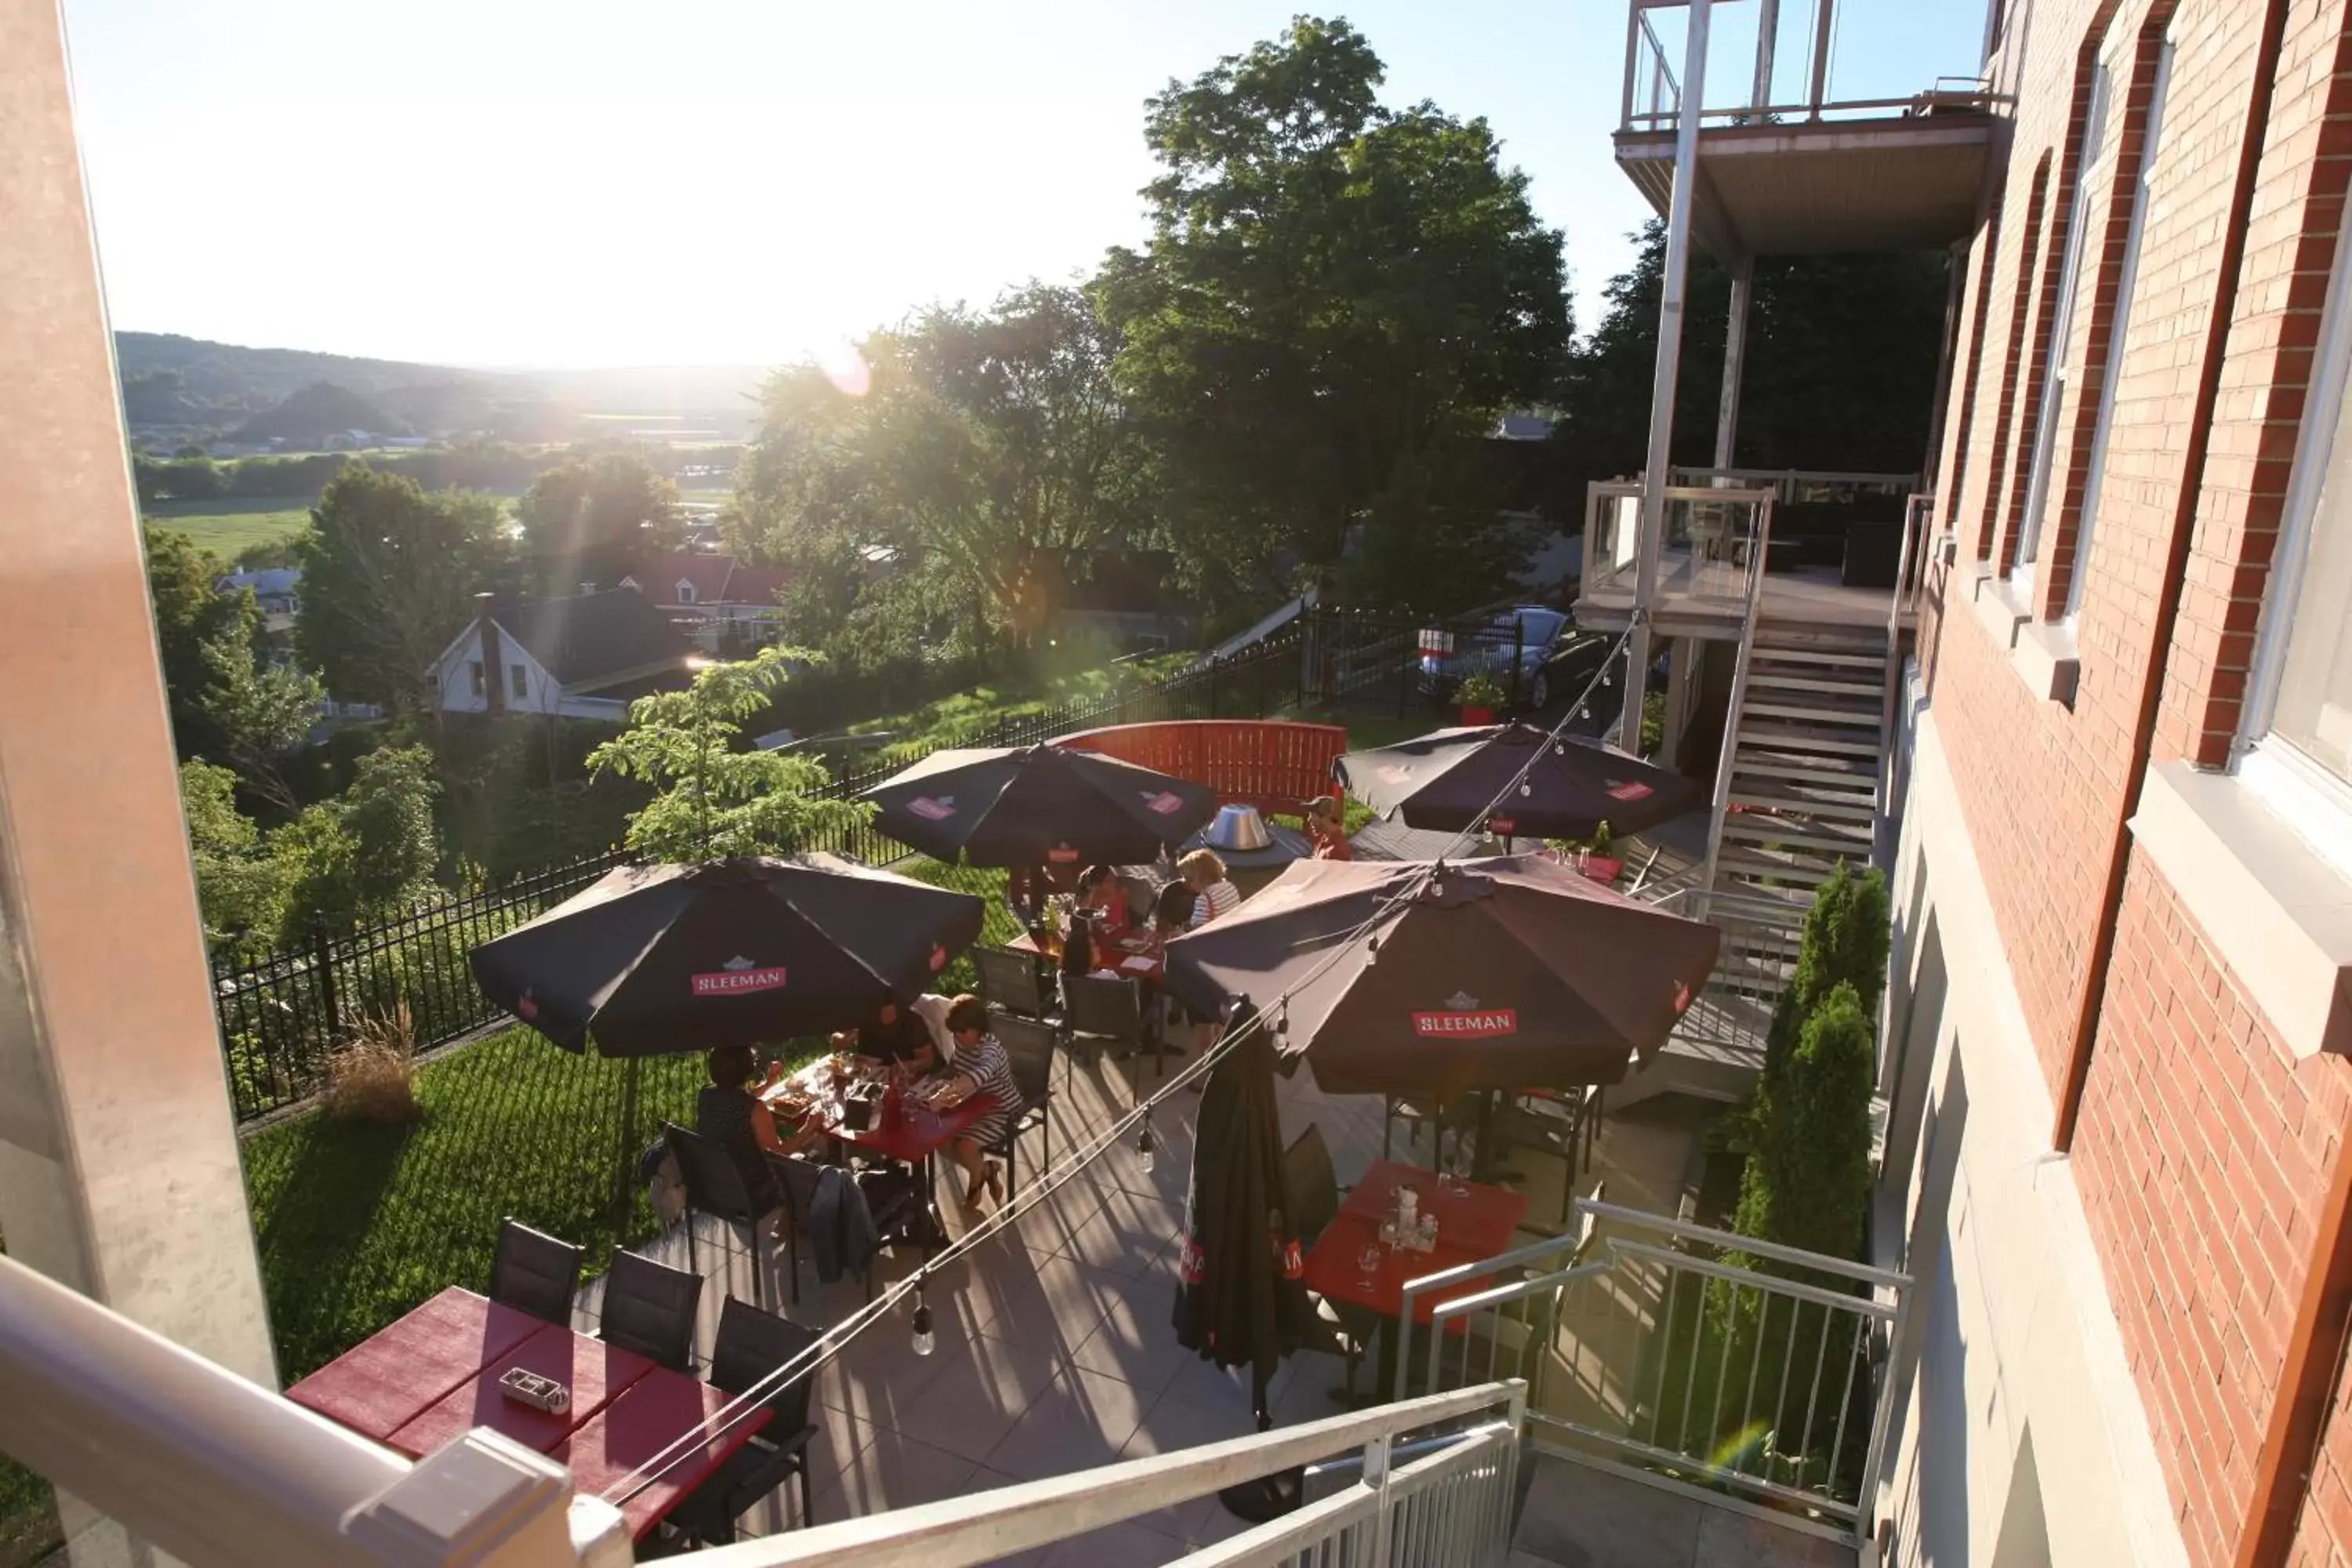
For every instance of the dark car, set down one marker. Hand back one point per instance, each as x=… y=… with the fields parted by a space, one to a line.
x=1553 y=657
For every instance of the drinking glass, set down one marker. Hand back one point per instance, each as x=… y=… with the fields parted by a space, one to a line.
x=1367 y=1258
x=1459 y=1168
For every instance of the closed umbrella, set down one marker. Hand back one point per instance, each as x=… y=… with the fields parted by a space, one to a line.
x=1239 y=1301
x=655 y=958
x=1037 y=806
x=1508 y=972
x=1451 y=780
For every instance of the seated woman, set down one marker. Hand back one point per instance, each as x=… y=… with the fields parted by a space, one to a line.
x=894 y=1034
x=1176 y=912
x=731 y=1115
x=1205 y=872
x=1100 y=889
x=980 y=1066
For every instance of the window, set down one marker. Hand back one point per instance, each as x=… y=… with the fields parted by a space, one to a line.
x=685 y=592
x=519 y=682
x=2126 y=275
x=474 y=667
x=2058 y=333
x=2303 y=661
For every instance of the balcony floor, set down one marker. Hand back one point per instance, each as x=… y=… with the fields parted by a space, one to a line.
x=1707 y=599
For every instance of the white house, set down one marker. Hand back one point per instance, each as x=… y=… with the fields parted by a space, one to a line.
x=586 y=656
x=709 y=594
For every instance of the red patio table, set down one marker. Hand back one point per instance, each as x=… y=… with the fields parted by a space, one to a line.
x=381 y=1384
x=915 y=1135
x=1477 y=1217
x=657 y=1410
x=1127 y=963
x=593 y=1371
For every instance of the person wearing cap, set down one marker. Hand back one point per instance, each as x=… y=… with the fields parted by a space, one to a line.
x=1328 y=828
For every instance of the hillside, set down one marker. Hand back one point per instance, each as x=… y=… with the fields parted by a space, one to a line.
x=177 y=388
x=315 y=414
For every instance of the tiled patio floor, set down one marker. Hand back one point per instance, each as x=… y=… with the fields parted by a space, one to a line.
x=1054 y=1351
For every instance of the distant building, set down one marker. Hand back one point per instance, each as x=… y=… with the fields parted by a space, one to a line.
x=586 y=656
x=714 y=599
x=277 y=590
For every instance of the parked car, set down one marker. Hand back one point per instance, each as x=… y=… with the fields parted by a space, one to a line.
x=1554 y=659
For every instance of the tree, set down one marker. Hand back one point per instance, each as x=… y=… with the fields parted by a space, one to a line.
x=593 y=518
x=190 y=617
x=260 y=712
x=1846 y=940
x=988 y=447
x=240 y=887
x=1807 y=1185
x=1336 y=300
x=711 y=798
x=1845 y=346
x=368 y=853
x=389 y=572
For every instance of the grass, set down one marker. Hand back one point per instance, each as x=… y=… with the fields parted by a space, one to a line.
x=356 y=1222
x=230 y=526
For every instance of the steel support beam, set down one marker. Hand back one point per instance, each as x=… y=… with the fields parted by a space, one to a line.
x=1735 y=364
x=1673 y=287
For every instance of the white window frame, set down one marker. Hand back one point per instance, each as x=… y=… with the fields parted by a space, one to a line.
x=2151 y=145
x=2301 y=790
x=685 y=592
x=517 y=683
x=2058 y=338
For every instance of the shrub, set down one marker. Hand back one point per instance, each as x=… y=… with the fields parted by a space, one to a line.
x=373 y=1078
x=1807 y=1179
x=1845 y=941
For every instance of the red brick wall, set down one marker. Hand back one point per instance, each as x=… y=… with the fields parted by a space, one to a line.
x=2202 y=1146
x=2204 y=1155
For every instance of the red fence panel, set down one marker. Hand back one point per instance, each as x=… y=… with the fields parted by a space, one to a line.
x=1272 y=764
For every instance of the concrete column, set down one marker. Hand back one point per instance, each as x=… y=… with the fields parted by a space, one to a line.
x=1672 y=287
x=1735 y=361
x=119 y=1171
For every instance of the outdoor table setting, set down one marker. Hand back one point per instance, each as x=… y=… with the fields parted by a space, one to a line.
x=869 y=1106
x=1135 y=958
x=442 y=1370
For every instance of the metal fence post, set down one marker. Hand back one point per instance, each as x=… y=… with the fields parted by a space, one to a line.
x=322 y=965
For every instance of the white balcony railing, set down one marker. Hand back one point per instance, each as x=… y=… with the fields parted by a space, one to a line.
x=1653 y=99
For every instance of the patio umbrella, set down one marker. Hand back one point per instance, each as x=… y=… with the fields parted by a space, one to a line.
x=1038 y=806
x=1239 y=1301
x=655 y=958
x=1449 y=779
x=1508 y=972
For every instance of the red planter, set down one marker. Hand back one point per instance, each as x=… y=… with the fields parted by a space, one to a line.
x=1604 y=868
x=1476 y=716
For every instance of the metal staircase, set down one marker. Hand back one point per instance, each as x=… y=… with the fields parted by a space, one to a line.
x=1808 y=732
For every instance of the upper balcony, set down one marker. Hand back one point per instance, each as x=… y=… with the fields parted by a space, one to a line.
x=1793 y=162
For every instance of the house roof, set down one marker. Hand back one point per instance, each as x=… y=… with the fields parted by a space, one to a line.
x=268 y=581
x=593 y=636
x=717 y=579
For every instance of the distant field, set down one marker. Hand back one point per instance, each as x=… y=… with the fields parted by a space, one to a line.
x=229 y=526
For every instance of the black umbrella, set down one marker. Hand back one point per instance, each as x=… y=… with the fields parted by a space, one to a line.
x=1037 y=806
x=1509 y=973
x=655 y=958
x=1239 y=1300
x=1450 y=780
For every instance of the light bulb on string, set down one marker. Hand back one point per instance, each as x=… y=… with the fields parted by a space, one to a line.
x=1526 y=789
x=926 y=1341
x=1146 y=1149
x=1372 y=951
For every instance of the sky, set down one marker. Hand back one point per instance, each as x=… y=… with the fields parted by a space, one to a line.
x=571 y=183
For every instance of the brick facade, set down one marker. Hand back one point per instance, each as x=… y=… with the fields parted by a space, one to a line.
x=2202 y=1147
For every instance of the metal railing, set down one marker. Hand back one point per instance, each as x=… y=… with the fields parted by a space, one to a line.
x=1453 y=1505
x=1716 y=542
x=1652 y=99
x=1727 y=755
x=1691 y=1357
x=1758 y=954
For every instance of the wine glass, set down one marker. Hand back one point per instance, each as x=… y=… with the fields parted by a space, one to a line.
x=1367 y=1258
x=1458 y=1167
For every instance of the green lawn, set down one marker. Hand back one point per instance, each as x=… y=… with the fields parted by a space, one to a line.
x=963 y=715
x=230 y=526
x=356 y=1222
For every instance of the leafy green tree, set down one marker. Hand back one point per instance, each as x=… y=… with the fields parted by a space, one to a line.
x=711 y=797
x=368 y=853
x=594 y=518
x=191 y=617
x=988 y=447
x=240 y=887
x=261 y=710
x=389 y=573
x=1806 y=1184
x=1336 y=300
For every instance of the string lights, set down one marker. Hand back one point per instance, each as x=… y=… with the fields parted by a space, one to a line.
x=926 y=1341
x=1146 y=1149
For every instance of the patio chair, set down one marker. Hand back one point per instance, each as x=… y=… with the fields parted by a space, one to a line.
x=1311 y=1186
x=1103 y=1015
x=1416 y=1113
x=534 y=1272
x=715 y=1187
x=1009 y=981
x=753 y=1344
x=1030 y=1046
x=650 y=1309
x=1559 y=1122
x=895 y=1219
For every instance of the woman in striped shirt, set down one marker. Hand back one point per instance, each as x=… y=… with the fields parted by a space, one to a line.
x=980 y=1066
x=1204 y=873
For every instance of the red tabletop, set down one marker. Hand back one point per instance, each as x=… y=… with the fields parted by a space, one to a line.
x=1471 y=1227
x=378 y=1386
x=1127 y=962
x=593 y=1371
x=915 y=1135
x=1473 y=1216
x=650 y=1414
